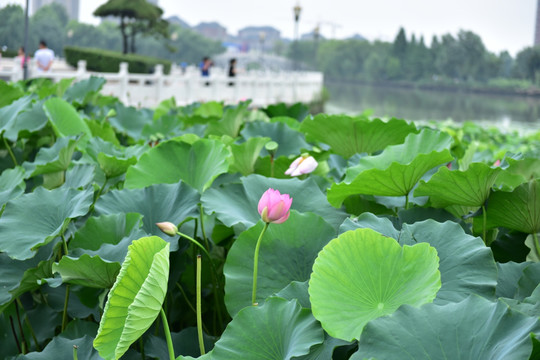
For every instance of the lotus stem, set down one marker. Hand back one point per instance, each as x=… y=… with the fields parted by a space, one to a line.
x=27 y=322
x=15 y=334
x=24 y=343
x=484 y=215
x=199 y=307
x=256 y=265
x=406 y=201
x=201 y=214
x=167 y=334
x=271 y=165
x=10 y=152
x=75 y=356
x=64 y=315
x=64 y=244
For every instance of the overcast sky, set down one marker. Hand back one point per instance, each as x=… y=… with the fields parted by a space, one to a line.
x=502 y=24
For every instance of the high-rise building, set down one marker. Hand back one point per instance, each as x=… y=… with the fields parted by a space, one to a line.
x=72 y=7
x=537 y=32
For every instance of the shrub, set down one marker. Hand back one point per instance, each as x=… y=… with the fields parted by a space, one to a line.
x=109 y=61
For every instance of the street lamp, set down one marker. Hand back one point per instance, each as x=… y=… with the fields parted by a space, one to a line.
x=25 y=63
x=297 y=10
x=262 y=37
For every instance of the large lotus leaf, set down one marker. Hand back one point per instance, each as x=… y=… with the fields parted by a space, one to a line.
x=517 y=210
x=197 y=165
x=470 y=187
x=349 y=135
x=65 y=120
x=113 y=160
x=518 y=172
x=231 y=122
x=62 y=348
x=296 y=290
x=90 y=271
x=529 y=306
x=210 y=109
x=103 y=130
x=104 y=229
x=11 y=184
x=30 y=120
x=363 y=275
x=157 y=203
x=370 y=221
x=164 y=127
x=28 y=221
x=184 y=342
x=9 y=113
x=287 y=253
x=325 y=350
x=54 y=159
x=528 y=282
x=82 y=90
x=15 y=275
x=8 y=93
x=236 y=204
x=246 y=154
x=80 y=176
x=277 y=330
x=130 y=121
x=135 y=300
x=508 y=276
x=473 y=329
x=297 y=111
x=264 y=166
x=396 y=170
x=291 y=142
x=466 y=264
x=113 y=166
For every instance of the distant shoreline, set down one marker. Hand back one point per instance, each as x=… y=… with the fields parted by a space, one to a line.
x=532 y=92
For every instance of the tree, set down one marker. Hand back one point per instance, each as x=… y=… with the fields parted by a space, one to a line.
x=399 y=49
x=49 y=24
x=11 y=27
x=128 y=10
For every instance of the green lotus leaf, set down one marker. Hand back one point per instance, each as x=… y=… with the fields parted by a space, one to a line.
x=528 y=282
x=197 y=165
x=209 y=109
x=529 y=306
x=230 y=123
x=9 y=113
x=466 y=264
x=517 y=210
x=103 y=130
x=289 y=121
x=184 y=342
x=81 y=91
x=165 y=127
x=297 y=111
x=30 y=120
x=470 y=187
x=370 y=221
x=11 y=184
x=80 y=176
x=65 y=120
x=354 y=135
x=325 y=350
x=277 y=330
x=396 y=170
x=236 y=204
x=156 y=203
x=263 y=166
x=287 y=253
x=90 y=271
x=472 y=329
x=9 y=93
x=28 y=222
x=54 y=159
x=62 y=348
x=291 y=142
x=363 y=275
x=136 y=297
x=165 y=107
x=518 y=172
x=104 y=229
x=130 y=121
x=113 y=166
x=246 y=154
x=508 y=276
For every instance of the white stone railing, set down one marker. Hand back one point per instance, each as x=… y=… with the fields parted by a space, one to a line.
x=148 y=90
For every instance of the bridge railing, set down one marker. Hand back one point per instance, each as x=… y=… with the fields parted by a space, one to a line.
x=148 y=90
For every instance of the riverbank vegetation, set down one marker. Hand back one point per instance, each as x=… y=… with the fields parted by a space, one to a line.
x=269 y=233
x=454 y=62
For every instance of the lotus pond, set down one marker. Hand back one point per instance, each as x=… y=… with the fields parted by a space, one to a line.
x=175 y=233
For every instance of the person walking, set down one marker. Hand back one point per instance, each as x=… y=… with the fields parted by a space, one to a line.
x=232 y=70
x=44 y=57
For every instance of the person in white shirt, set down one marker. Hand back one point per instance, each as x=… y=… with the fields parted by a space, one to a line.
x=44 y=57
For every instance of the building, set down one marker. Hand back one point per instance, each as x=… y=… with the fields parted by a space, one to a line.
x=72 y=7
x=537 y=32
x=259 y=37
x=211 y=30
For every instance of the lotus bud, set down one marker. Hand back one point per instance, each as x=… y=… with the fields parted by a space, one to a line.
x=274 y=207
x=167 y=227
x=497 y=163
x=302 y=165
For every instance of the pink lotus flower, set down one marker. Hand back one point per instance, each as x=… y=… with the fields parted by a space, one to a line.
x=274 y=207
x=497 y=163
x=302 y=165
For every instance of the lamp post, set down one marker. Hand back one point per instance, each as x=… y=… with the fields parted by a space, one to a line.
x=316 y=36
x=262 y=37
x=25 y=63
x=297 y=10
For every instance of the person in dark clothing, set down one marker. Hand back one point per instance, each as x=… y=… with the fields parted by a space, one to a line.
x=232 y=70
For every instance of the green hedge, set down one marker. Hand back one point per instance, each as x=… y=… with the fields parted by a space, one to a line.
x=109 y=61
